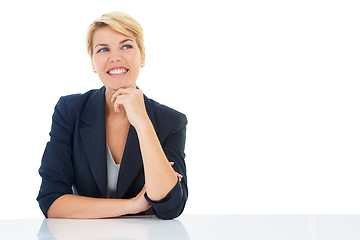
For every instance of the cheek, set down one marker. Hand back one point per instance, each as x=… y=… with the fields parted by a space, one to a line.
x=98 y=62
x=135 y=57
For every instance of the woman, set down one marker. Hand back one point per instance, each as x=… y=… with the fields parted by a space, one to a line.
x=113 y=151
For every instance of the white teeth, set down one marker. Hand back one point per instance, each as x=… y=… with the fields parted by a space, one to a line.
x=117 y=71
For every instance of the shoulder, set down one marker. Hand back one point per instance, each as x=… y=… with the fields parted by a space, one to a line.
x=78 y=99
x=74 y=103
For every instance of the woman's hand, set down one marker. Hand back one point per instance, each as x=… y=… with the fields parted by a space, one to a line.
x=139 y=202
x=133 y=102
x=178 y=174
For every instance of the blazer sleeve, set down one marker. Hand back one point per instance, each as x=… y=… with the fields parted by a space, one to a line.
x=56 y=168
x=174 y=145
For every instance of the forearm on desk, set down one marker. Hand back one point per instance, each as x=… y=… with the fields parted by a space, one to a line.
x=74 y=206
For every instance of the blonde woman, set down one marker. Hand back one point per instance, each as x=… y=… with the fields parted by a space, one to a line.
x=113 y=151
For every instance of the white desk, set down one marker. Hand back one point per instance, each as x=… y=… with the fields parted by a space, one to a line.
x=194 y=227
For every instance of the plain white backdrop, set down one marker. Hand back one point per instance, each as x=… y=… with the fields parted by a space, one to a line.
x=270 y=89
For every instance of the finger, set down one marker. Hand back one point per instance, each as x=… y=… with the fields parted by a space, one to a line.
x=119 y=92
x=119 y=101
x=172 y=163
x=179 y=176
x=115 y=95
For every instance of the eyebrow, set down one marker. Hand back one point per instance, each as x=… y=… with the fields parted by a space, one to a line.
x=105 y=45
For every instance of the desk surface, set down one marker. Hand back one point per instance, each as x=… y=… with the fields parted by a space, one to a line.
x=247 y=227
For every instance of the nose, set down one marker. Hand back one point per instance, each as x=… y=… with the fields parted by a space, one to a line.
x=115 y=56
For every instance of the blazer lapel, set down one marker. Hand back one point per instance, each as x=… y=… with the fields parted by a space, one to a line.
x=131 y=163
x=93 y=136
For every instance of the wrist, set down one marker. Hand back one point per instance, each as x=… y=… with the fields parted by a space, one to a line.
x=144 y=125
x=132 y=206
x=137 y=205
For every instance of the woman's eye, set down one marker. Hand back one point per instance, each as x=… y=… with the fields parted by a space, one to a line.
x=127 y=47
x=103 y=50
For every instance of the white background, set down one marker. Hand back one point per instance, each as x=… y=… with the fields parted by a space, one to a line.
x=270 y=89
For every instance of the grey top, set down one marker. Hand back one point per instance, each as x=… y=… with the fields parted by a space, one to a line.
x=113 y=174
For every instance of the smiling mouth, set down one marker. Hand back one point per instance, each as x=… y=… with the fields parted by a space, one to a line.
x=117 y=71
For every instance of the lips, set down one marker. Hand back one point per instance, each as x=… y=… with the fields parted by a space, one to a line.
x=117 y=71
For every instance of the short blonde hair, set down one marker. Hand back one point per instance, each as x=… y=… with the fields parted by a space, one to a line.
x=120 y=22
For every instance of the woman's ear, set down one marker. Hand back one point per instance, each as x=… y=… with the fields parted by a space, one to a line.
x=93 y=65
x=143 y=58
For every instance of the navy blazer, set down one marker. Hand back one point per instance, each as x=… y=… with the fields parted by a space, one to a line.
x=74 y=160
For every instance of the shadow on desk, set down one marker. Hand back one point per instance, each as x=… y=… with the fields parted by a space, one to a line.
x=135 y=228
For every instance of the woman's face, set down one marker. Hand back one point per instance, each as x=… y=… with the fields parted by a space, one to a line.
x=116 y=58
